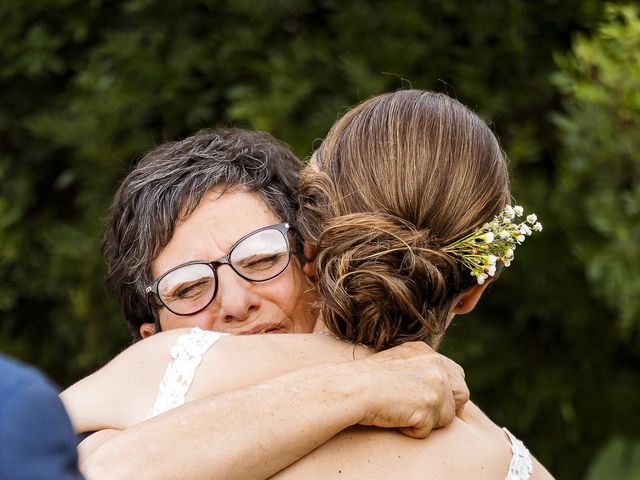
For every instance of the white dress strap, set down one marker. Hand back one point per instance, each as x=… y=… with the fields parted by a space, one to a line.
x=187 y=355
x=521 y=467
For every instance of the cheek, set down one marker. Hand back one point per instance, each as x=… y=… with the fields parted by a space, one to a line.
x=166 y=319
x=289 y=288
x=292 y=296
x=170 y=321
x=280 y=293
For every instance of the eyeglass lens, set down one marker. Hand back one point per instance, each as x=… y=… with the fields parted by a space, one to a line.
x=258 y=257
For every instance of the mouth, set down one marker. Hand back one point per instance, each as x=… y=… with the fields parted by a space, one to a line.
x=265 y=328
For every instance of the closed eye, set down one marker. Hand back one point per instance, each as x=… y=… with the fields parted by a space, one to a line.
x=260 y=262
x=189 y=290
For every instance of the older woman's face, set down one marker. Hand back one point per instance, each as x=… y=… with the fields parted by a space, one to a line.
x=281 y=304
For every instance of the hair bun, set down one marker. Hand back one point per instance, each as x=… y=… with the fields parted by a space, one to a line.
x=381 y=280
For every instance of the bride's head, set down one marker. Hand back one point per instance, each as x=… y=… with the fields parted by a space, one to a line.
x=398 y=179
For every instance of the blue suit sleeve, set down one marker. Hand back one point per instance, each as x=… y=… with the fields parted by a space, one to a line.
x=36 y=438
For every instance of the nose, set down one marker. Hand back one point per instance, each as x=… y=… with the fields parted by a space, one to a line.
x=235 y=300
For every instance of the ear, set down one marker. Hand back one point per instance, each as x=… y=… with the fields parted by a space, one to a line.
x=469 y=299
x=147 y=329
x=308 y=268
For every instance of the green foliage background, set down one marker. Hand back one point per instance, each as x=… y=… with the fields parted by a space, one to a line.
x=87 y=86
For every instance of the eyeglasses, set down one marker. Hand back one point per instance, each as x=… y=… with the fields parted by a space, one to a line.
x=258 y=256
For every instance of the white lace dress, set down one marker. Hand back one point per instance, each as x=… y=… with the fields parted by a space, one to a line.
x=521 y=466
x=187 y=355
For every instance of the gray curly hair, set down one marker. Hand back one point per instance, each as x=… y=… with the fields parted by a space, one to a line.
x=167 y=185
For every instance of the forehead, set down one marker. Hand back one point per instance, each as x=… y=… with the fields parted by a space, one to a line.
x=218 y=221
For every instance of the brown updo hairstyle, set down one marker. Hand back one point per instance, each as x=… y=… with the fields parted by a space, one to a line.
x=397 y=178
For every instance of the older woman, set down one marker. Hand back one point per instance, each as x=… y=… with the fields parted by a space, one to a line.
x=400 y=208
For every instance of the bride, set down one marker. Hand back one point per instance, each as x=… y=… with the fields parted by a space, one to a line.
x=406 y=219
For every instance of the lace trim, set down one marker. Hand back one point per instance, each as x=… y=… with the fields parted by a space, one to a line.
x=521 y=467
x=187 y=355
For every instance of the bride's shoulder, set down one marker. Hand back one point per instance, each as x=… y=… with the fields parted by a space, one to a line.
x=521 y=463
x=471 y=447
x=467 y=448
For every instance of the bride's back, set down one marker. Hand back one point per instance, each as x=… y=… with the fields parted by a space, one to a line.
x=471 y=447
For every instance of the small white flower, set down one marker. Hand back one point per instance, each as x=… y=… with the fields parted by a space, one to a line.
x=495 y=240
x=488 y=237
x=509 y=212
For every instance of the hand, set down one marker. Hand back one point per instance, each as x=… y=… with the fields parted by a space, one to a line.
x=413 y=388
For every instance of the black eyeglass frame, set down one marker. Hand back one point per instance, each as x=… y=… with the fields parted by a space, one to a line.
x=283 y=228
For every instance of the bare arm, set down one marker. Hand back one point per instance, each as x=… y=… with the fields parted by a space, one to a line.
x=254 y=431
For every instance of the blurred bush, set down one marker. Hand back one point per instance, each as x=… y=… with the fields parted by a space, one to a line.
x=598 y=182
x=597 y=199
x=87 y=86
x=619 y=458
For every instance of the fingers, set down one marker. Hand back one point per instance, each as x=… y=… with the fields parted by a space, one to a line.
x=458 y=385
x=421 y=389
x=416 y=432
x=447 y=410
x=455 y=394
x=433 y=414
x=445 y=387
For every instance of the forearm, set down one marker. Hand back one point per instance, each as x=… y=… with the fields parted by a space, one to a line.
x=249 y=433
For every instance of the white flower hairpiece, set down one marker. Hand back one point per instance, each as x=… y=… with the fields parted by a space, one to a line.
x=494 y=241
